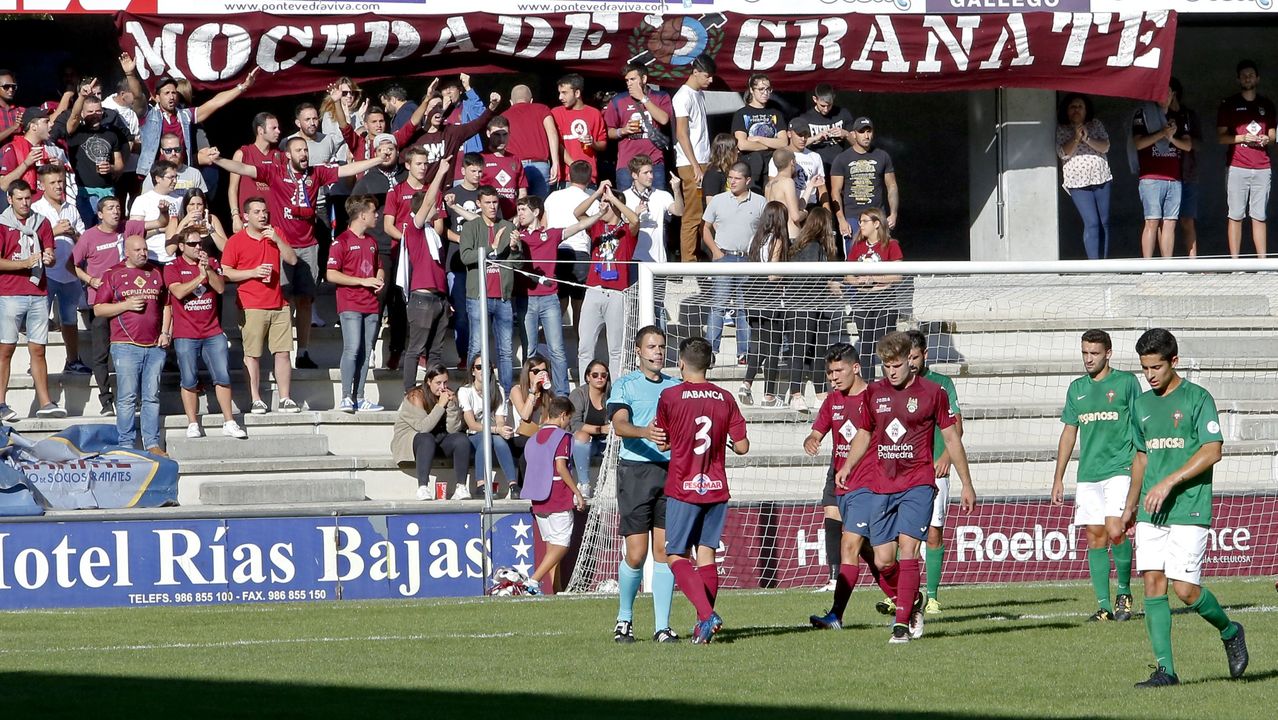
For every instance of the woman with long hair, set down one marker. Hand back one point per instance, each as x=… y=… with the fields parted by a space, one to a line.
x=758 y=128
x=875 y=298
x=766 y=306
x=530 y=401
x=590 y=425
x=473 y=407
x=349 y=106
x=813 y=323
x=430 y=420
x=1082 y=144
x=723 y=155
x=196 y=214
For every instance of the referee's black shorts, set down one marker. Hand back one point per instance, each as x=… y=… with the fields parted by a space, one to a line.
x=641 y=499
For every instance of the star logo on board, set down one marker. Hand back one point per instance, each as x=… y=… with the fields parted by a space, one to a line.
x=896 y=430
x=522 y=547
x=912 y=404
x=1176 y=417
x=1110 y=396
x=522 y=529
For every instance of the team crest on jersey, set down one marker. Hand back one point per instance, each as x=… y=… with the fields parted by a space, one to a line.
x=912 y=404
x=139 y=281
x=702 y=484
x=1110 y=396
x=1176 y=416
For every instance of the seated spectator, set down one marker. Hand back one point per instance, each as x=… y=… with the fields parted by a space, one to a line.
x=874 y=305
x=590 y=424
x=473 y=409
x=550 y=467
x=194 y=280
x=430 y=420
x=766 y=307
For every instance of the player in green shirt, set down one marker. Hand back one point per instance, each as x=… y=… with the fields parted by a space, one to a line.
x=1178 y=441
x=1098 y=406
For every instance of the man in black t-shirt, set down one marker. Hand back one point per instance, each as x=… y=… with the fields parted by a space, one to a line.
x=829 y=124
x=862 y=177
x=95 y=139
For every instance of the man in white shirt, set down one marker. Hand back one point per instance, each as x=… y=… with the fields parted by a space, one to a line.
x=574 y=251
x=156 y=209
x=66 y=294
x=809 y=170
x=654 y=207
x=692 y=150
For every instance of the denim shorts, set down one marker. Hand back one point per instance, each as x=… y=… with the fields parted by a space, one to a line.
x=1160 y=198
x=214 y=351
x=24 y=313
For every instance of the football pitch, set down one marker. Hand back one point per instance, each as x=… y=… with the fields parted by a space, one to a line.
x=995 y=651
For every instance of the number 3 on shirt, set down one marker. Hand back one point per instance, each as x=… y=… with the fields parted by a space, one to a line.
x=704 y=424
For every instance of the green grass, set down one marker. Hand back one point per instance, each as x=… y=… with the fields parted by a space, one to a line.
x=1019 y=651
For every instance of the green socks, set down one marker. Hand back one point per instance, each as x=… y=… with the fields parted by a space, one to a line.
x=1098 y=567
x=1208 y=607
x=1158 y=625
x=934 y=558
x=1123 y=566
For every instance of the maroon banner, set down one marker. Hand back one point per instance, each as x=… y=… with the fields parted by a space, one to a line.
x=1127 y=55
x=779 y=545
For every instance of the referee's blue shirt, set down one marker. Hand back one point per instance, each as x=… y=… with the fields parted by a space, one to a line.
x=639 y=394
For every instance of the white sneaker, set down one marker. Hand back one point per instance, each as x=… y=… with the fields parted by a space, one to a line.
x=194 y=431
x=461 y=493
x=828 y=587
x=423 y=493
x=230 y=428
x=797 y=404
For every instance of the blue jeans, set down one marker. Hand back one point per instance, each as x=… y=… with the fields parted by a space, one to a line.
x=137 y=373
x=502 y=323
x=461 y=314
x=216 y=359
x=1093 y=205
x=538 y=175
x=726 y=295
x=625 y=180
x=501 y=451
x=359 y=332
x=544 y=311
x=581 y=455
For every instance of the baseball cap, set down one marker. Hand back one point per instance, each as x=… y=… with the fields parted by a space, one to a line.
x=801 y=127
x=385 y=138
x=32 y=114
x=862 y=123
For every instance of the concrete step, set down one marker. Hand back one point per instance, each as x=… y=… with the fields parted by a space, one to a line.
x=266 y=492
x=224 y=448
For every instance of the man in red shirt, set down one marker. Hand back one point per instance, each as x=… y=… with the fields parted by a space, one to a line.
x=502 y=170
x=699 y=418
x=581 y=127
x=1245 y=124
x=612 y=247
x=134 y=299
x=252 y=258
x=634 y=119
x=26 y=248
x=28 y=151
x=99 y=249
x=904 y=412
x=194 y=280
x=421 y=273
x=263 y=150
x=353 y=268
x=295 y=188
x=534 y=139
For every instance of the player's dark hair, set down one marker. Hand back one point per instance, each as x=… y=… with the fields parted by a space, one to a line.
x=186 y=199
x=1098 y=337
x=18 y=185
x=160 y=167
x=413 y=152
x=9 y=73
x=1246 y=64
x=249 y=201
x=259 y=120
x=637 y=163
x=824 y=92
x=472 y=160
x=533 y=203
x=706 y=64
x=572 y=80
x=356 y=204
x=579 y=172
x=1062 y=110
x=303 y=107
x=842 y=352
x=50 y=169
x=647 y=330
x=893 y=346
x=918 y=340
x=453 y=83
x=635 y=67
x=695 y=352
x=742 y=167
x=374 y=110
x=1158 y=341
x=110 y=198
x=559 y=406
x=486 y=191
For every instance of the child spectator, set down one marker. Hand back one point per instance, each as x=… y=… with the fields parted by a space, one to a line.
x=550 y=485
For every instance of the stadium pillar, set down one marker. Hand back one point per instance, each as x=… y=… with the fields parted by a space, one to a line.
x=1012 y=161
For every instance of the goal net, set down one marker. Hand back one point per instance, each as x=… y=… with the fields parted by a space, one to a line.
x=1008 y=334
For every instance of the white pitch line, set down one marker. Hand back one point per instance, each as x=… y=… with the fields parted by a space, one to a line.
x=278 y=641
x=1013 y=617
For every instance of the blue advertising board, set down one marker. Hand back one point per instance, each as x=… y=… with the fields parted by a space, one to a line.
x=234 y=560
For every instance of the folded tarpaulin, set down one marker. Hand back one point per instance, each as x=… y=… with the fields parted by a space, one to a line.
x=82 y=467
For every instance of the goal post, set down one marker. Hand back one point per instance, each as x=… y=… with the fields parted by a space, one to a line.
x=1008 y=334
